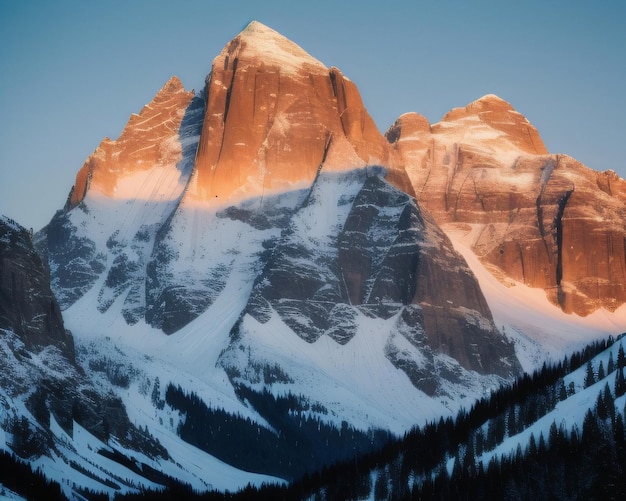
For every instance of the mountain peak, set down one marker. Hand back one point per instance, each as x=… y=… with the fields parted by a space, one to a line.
x=490 y=115
x=173 y=85
x=260 y=44
x=492 y=98
x=255 y=27
x=486 y=104
x=139 y=147
x=274 y=115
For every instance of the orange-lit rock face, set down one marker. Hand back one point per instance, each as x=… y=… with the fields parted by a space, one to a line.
x=149 y=138
x=496 y=120
x=544 y=220
x=274 y=116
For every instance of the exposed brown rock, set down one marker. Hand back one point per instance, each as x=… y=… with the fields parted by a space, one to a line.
x=274 y=116
x=498 y=115
x=149 y=138
x=544 y=220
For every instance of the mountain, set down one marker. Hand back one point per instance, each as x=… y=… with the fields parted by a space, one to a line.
x=541 y=219
x=253 y=272
x=270 y=107
x=272 y=196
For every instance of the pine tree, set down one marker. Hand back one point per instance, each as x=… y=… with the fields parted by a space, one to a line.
x=562 y=390
x=553 y=435
x=590 y=377
x=609 y=401
x=601 y=409
x=621 y=357
x=531 y=448
x=510 y=422
x=611 y=365
x=381 y=486
x=620 y=384
x=469 y=460
x=156 y=392
x=601 y=373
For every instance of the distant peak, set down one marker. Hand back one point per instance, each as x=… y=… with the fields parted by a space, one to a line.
x=489 y=102
x=486 y=104
x=497 y=114
x=174 y=81
x=491 y=98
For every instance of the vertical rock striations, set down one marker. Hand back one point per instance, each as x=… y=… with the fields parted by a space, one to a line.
x=544 y=220
x=275 y=115
x=149 y=139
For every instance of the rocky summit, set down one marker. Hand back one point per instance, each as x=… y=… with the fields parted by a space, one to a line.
x=541 y=219
x=274 y=117
x=253 y=272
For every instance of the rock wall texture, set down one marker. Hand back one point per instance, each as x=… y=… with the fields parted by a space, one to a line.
x=275 y=116
x=27 y=305
x=149 y=138
x=544 y=220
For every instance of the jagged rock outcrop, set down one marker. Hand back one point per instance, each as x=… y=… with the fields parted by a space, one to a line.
x=384 y=259
x=149 y=139
x=38 y=364
x=544 y=220
x=27 y=305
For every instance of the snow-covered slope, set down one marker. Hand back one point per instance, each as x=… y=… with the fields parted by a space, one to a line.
x=75 y=408
x=375 y=352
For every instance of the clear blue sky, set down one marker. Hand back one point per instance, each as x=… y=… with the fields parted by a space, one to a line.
x=72 y=71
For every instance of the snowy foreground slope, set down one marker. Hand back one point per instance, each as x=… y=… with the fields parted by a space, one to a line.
x=556 y=434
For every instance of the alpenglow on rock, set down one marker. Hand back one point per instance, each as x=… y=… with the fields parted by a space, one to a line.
x=274 y=116
x=544 y=220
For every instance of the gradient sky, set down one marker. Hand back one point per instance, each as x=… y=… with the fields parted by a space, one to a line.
x=72 y=71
